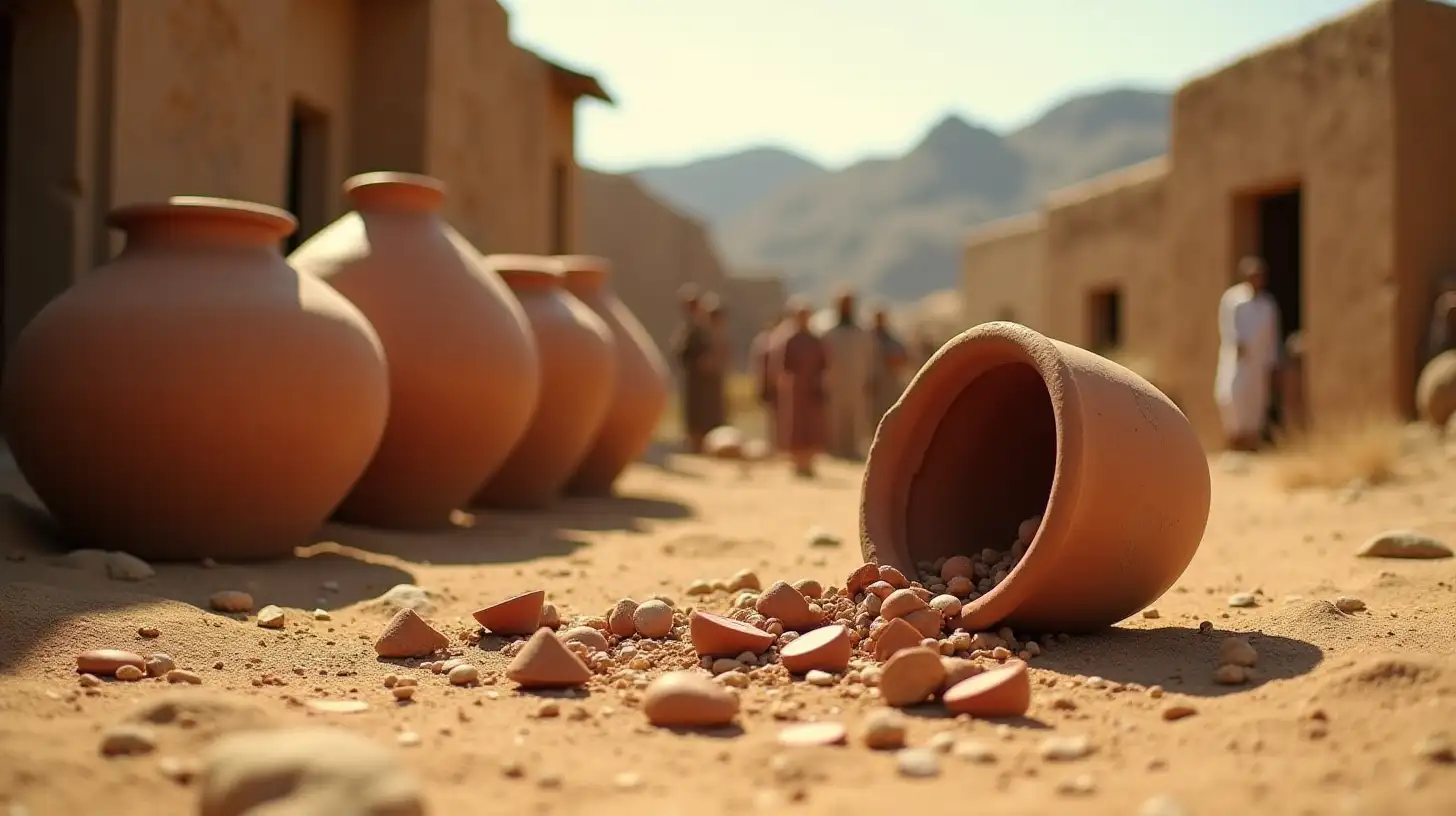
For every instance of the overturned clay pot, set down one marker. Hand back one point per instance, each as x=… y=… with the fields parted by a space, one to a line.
x=1004 y=424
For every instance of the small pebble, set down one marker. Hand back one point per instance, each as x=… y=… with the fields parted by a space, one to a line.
x=1436 y=748
x=270 y=617
x=230 y=600
x=1229 y=675
x=627 y=780
x=1162 y=805
x=129 y=673
x=408 y=739
x=1178 y=711
x=884 y=730
x=149 y=632
x=816 y=677
x=1238 y=652
x=1151 y=613
x=1243 y=600
x=1079 y=785
x=183 y=676
x=464 y=674
x=1065 y=749
x=403 y=693
x=321 y=615
x=917 y=763
x=128 y=740
x=1349 y=605
x=973 y=751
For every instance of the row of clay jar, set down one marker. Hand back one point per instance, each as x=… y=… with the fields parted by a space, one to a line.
x=201 y=396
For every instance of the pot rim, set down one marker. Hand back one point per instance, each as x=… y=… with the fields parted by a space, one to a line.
x=522 y=268
x=395 y=190
x=958 y=363
x=584 y=265
x=273 y=219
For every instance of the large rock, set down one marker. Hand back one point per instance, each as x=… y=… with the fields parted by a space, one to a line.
x=304 y=772
x=1436 y=389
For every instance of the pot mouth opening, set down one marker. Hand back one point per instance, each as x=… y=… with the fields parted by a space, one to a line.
x=987 y=466
x=385 y=191
x=278 y=223
x=525 y=271
x=584 y=272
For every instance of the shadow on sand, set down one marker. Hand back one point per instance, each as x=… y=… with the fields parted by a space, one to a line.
x=1177 y=658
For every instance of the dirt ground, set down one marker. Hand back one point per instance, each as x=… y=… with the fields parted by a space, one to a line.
x=1330 y=726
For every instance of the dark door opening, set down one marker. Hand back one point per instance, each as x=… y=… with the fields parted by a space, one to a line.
x=7 y=73
x=1280 y=236
x=308 y=173
x=1104 y=308
x=559 y=193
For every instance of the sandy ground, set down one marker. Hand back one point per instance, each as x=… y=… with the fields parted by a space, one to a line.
x=1330 y=727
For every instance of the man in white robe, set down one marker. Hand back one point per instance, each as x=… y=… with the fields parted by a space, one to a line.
x=851 y=351
x=1249 y=342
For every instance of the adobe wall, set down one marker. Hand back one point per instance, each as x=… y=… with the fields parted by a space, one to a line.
x=1107 y=233
x=561 y=152
x=654 y=249
x=57 y=174
x=1425 y=150
x=1002 y=272
x=1317 y=109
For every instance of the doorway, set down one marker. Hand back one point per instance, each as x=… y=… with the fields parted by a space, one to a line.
x=1104 y=307
x=1279 y=219
x=7 y=71
x=308 y=171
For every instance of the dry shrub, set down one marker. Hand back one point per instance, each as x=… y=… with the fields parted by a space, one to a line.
x=1368 y=452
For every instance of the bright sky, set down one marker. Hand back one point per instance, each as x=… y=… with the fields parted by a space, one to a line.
x=840 y=79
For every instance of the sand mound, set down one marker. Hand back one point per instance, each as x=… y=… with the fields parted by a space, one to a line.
x=1317 y=622
x=203 y=711
x=1388 y=677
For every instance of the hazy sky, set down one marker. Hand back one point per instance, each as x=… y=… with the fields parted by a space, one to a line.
x=839 y=79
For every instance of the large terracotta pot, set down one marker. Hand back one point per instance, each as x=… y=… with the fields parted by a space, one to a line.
x=578 y=375
x=463 y=369
x=1002 y=425
x=640 y=394
x=196 y=397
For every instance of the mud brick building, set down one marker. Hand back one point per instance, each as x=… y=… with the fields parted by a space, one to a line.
x=106 y=102
x=1331 y=154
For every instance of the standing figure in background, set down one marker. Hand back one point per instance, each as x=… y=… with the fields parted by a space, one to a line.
x=1248 y=356
x=718 y=361
x=851 y=356
x=690 y=346
x=765 y=387
x=887 y=376
x=1442 y=335
x=798 y=363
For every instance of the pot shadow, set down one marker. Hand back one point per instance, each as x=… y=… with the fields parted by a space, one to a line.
x=730 y=731
x=41 y=593
x=473 y=539
x=612 y=513
x=665 y=457
x=1178 y=658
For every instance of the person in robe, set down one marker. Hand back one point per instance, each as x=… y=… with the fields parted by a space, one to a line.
x=798 y=362
x=1442 y=336
x=718 y=361
x=1248 y=356
x=851 y=357
x=690 y=346
x=891 y=363
x=764 y=384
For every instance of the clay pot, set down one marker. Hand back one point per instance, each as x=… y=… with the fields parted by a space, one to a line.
x=578 y=375
x=641 y=390
x=463 y=370
x=196 y=397
x=1003 y=424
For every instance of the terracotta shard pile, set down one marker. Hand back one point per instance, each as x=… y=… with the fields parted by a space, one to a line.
x=517 y=615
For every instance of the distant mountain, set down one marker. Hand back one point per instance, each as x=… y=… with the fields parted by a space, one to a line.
x=721 y=187
x=893 y=226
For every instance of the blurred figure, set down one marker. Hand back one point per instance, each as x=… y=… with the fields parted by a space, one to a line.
x=718 y=360
x=887 y=375
x=690 y=347
x=1248 y=357
x=1442 y=335
x=760 y=354
x=797 y=362
x=851 y=355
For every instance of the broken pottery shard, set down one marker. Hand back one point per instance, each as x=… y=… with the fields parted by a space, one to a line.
x=1004 y=691
x=862 y=577
x=896 y=636
x=407 y=635
x=717 y=636
x=827 y=649
x=788 y=605
x=517 y=615
x=545 y=662
x=1403 y=544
